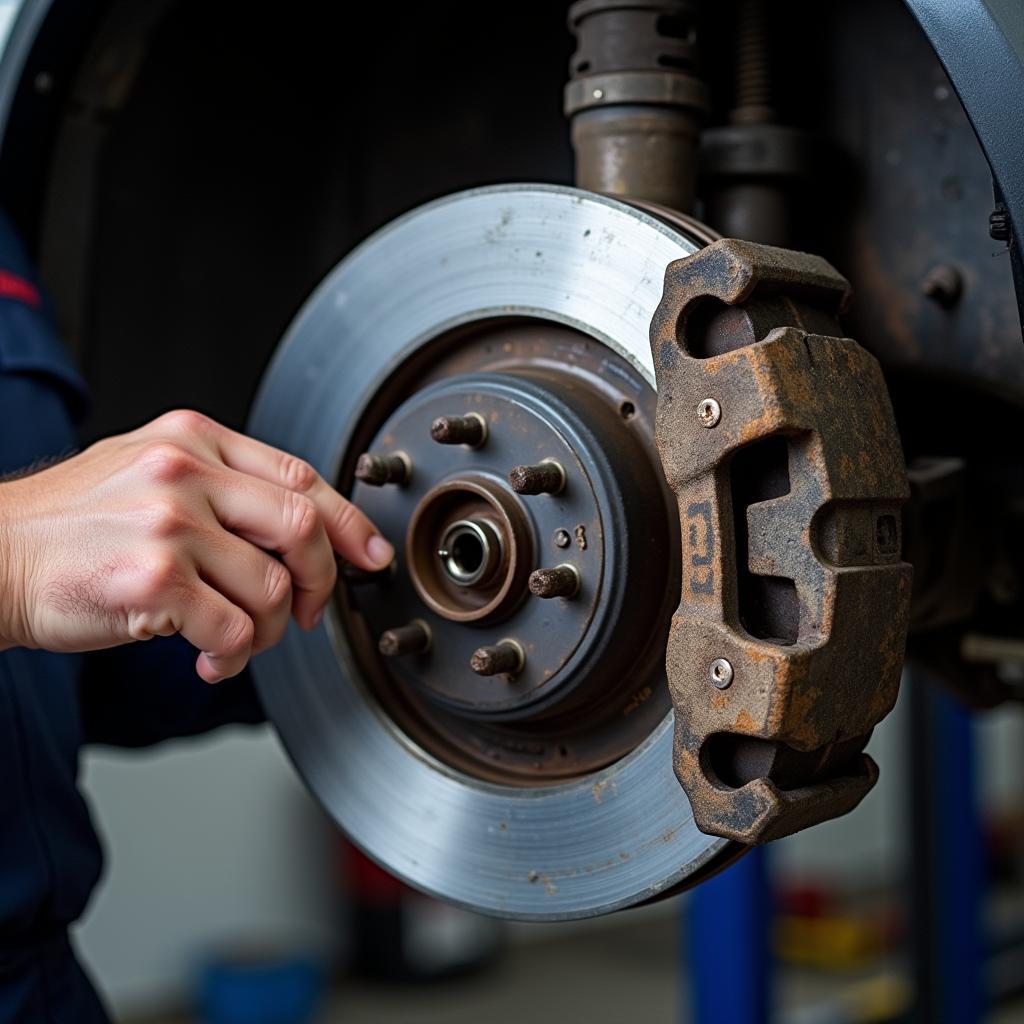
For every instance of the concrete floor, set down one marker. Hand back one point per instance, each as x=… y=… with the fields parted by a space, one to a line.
x=614 y=975
x=607 y=975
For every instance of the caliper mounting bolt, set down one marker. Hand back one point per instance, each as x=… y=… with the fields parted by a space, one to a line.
x=413 y=638
x=547 y=477
x=504 y=658
x=562 y=581
x=720 y=673
x=469 y=430
x=709 y=412
x=378 y=470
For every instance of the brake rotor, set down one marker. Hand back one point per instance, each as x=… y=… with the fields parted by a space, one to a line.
x=513 y=753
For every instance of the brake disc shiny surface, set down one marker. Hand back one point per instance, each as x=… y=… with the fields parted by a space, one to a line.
x=609 y=839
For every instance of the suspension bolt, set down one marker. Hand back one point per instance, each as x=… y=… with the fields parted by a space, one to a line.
x=562 y=581
x=943 y=285
x=378 y=470
x=411 y=639
x=562 y=539
x=469 y=430
x=546 y=477
x=505 y=658
x=709 y=412
x=720 y=673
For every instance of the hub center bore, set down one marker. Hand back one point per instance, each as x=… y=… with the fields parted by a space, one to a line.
x=470 y=552
x=468 y=549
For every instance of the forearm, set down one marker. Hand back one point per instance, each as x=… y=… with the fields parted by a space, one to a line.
x=12 y=576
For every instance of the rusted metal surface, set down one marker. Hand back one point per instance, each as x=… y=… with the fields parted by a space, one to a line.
x=544 y=478
x=378 y=470
x=575 y=583
x=751 y=167
x=562 y=581
x=942 y=541
x=470 y=429
x=790 y=516
x=411 y=639
x=635 y=100
x=505 y=658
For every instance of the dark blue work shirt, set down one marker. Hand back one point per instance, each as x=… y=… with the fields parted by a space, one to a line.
x=52 y=704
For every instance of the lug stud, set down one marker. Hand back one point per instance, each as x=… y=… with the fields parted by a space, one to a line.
x=411 y=639
x=562 y=581
x=505 y=658
x=378 y=470
x=470 y=430
x=546 y=477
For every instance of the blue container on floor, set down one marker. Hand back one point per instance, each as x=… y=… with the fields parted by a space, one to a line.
x=260 y=990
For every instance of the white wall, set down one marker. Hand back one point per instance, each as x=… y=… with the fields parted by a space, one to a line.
x=208 y=841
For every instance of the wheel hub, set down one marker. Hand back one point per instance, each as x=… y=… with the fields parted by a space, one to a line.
x=585 y=689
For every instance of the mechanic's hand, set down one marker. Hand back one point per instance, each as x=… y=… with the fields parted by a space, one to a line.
x=167 y=530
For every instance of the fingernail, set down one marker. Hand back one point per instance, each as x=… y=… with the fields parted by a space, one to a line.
x=318 y=618
x=379 y=551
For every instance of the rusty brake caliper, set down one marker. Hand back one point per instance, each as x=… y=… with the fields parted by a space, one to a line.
x=778 y=438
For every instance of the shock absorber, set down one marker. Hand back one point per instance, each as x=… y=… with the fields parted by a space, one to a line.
x=751 y=166
x=635 y=100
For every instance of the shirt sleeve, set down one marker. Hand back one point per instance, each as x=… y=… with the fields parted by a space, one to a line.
x=142 y=693
x=145 y=693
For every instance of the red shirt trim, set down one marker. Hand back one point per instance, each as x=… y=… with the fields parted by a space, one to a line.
x=17 y=288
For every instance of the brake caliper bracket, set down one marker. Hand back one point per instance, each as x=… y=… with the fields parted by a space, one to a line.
x=778 y=438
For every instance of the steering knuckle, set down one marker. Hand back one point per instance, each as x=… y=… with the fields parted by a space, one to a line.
x=165 y=462
x=297 y=474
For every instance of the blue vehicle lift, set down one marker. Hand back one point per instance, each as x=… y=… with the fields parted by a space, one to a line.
x=727 y=923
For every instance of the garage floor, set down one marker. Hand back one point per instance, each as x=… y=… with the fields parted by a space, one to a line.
x=611 y=975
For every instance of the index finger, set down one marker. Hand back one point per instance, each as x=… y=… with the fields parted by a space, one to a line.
x=351 y=533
